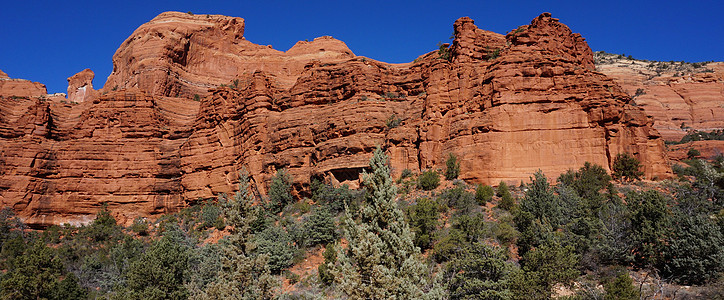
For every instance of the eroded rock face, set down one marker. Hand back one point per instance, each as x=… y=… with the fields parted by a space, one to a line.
x=507 y=106
x=182 y=55
x=11 y=87
x=679 y=96
x=80 y=87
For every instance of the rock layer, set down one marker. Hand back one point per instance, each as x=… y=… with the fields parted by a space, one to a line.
x=11 y=87
x=679 y=96
x=80 y=86
x=505 y=105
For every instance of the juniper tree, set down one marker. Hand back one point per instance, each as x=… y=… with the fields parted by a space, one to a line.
x=381 y=260
x=243 y=274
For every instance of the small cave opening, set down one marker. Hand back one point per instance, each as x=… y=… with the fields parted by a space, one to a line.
x=347 y=174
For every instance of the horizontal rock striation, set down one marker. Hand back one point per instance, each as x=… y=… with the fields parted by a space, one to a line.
x=505 y=105
x=679 y=96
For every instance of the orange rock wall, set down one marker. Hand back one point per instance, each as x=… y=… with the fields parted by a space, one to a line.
x=505 y=105
x=677 y=100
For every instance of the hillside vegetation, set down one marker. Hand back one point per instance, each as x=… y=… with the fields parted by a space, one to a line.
x=581 y=235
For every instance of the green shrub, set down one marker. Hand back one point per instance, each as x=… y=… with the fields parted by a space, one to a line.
x=506 y=199
x=210 y=215
x=330 y=257
x=626 y=168
x=481 y=272
x=103 y=228
x=423 y=221
x=483 y=194
x=335 y=198
x=140 y=226
x=393 y=121
x=444 y=52
x=319 y=228
x=276 y=243
x=161 y=270
x=693 y=153
x=651 y=221
x=621 y=288
x=280 y=191
x=406 y=173
x=458 y=198
x=694 y=253
x=452 y=165
x=428 y=180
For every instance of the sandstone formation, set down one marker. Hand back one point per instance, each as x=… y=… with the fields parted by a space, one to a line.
x=10 y=87
x=707 y=149
x=80 y=86
x=182 y=55
x=505 y=105
x=679 y=96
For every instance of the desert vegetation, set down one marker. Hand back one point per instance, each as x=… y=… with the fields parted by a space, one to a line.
x=586 y=234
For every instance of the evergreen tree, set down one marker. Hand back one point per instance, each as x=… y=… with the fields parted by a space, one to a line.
x=423 y=220
x=626 y=168
x=651 y=221
x=243 y=274
x=160 y=272
x=483 y=194
x=506 y=199
x=452 y=165
x=381 y=260
x=280 y=191
x=621 y=288
x=481 y=272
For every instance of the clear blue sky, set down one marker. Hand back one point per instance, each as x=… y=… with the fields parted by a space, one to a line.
x=49 y=41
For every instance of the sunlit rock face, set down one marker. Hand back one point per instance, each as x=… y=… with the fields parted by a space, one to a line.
x=163 y=133
x=679 y=96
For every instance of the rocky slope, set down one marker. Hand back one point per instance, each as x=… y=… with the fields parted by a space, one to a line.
x=679 y=96
x=147 y=144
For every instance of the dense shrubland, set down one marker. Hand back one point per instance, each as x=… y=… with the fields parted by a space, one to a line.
x=416 y=237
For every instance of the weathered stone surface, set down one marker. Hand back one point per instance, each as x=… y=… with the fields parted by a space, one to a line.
x=316 y=110
x=707 y=149
x=182 y=55
x=11 y=87
x=679 y=96
x=80 y=87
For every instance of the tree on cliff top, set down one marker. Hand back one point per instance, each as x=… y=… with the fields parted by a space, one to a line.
x=381 y=260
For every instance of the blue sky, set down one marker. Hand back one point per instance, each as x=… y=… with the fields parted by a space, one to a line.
x=49 y=41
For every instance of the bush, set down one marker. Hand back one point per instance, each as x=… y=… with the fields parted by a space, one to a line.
x=423 y=221
x=621 y=288
x=103 y=228
x=626 y=168
x=481 y=272
x=405 y=174
x=428 y=180
x=319 y=228
x=393 y=121
x=140 y=226
x=694 y=253
x=452 y=164
x=506 y=199
x=277 y=244
x=692 y=153
x=651 y=221
x=280 y=191
x=483 y=194
x=330 y=257
x=458 y=198
x=334 y=198
x=210 y=215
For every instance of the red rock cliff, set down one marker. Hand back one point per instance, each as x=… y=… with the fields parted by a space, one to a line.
x=505 y=105
x=679 y=96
